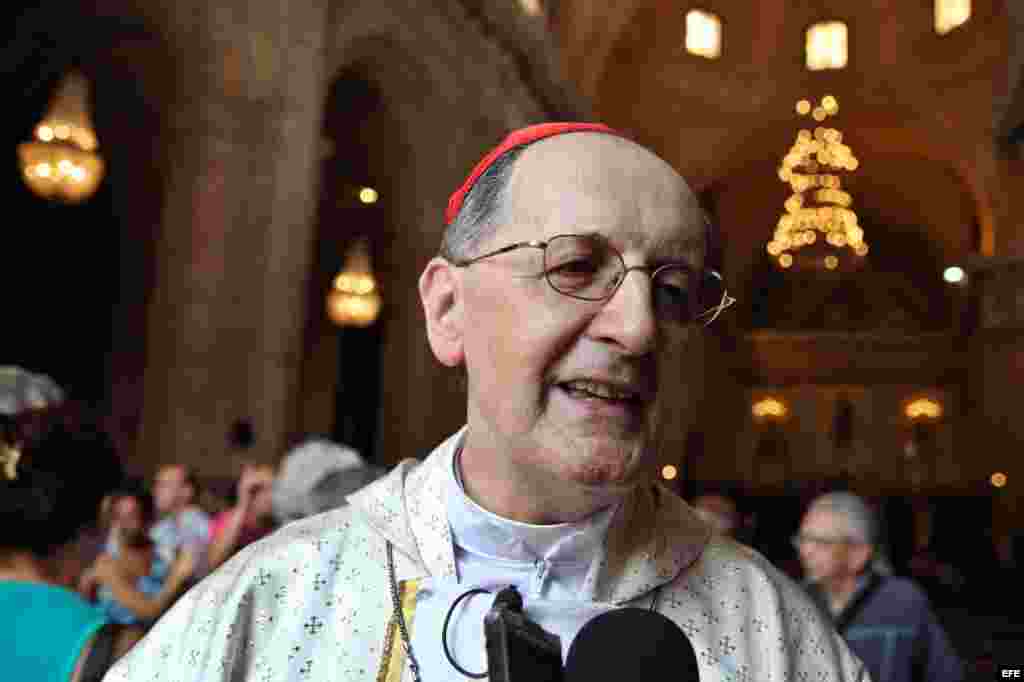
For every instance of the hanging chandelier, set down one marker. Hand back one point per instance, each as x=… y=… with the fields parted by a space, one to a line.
x=353 y=300
x=61 y=161
x=818 y=229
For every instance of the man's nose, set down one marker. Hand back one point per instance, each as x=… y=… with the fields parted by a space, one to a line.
x=628 y=317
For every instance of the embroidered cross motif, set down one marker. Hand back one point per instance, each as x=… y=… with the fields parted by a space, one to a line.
x=727 y=645
x=313 y=625
x=318 y=582
x=710 y=617
x=690 y=627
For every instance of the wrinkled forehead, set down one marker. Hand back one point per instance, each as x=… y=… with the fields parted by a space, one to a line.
x=591 y=183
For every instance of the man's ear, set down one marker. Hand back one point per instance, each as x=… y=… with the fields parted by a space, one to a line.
x=442 y=305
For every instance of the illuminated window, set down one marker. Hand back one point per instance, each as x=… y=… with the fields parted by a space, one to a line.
x=826 y=46
x=532 y=7
x=951 y=13
x=703 y=34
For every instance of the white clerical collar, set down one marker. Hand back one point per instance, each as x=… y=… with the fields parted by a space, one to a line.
x=481 y=532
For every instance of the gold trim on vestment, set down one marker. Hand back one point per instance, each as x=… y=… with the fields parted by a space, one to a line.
x=392 y=662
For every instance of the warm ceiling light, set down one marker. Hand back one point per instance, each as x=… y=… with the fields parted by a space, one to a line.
x=368 y=195
x=923 y=408
x=819 y=211
x=703 y=34
x=769 y=408
x=954 y=274
x=669 y=472
x=826 y=46
x=951 y=13
x=62 y=162
x=353 y=300
x=998 y=479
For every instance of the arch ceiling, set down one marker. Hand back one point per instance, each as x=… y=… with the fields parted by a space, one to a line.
x=916 y=107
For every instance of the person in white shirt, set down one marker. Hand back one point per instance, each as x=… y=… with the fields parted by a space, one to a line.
x=571 y=278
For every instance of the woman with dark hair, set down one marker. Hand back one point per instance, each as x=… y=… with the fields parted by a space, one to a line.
x=51 y=486
x=121 y=580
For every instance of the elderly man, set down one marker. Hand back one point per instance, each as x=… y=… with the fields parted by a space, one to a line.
x=886 y=620
x=571 y=273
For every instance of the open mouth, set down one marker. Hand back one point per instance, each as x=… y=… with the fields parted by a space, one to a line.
x=600 y=392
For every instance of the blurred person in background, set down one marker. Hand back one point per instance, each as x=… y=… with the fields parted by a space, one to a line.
x=886 y=620
x=129 y=508
x=719 y=511
x=249 y=520
x=51 y=486
x=182 y=524
x=128 y=593
x=316 y=476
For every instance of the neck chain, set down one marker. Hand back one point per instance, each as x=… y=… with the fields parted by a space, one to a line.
x=400 y=617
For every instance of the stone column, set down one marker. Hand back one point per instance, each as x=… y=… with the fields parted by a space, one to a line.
x=227 y=312
x=995 y=424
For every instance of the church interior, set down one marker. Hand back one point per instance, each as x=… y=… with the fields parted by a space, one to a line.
x=238 y=247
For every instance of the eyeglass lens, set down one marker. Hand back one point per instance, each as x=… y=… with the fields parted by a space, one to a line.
x=589 y=268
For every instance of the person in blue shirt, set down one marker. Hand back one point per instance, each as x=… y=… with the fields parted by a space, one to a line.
x=886 y=620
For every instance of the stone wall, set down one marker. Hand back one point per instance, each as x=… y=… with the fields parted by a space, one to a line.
x=227 y=316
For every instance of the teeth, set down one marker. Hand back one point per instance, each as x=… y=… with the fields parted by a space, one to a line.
x=600 y=390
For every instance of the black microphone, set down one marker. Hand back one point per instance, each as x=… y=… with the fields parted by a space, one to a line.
x=631 y=644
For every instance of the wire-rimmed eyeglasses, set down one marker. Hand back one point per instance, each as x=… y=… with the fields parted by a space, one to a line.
x=801 y=539
x=587 y=267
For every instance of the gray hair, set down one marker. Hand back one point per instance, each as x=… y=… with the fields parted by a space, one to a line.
x=483 y=208
x=861 y=521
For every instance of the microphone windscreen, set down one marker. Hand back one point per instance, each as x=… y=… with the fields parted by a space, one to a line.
x=631 y=644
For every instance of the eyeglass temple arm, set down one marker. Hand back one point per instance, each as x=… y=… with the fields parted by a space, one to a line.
x=726 y=301
x=505 y=249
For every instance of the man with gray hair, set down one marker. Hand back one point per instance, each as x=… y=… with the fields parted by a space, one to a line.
x=316 y=476
x=886 y=620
